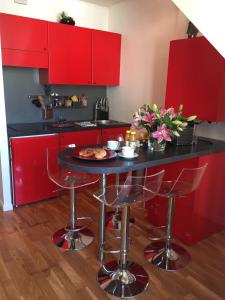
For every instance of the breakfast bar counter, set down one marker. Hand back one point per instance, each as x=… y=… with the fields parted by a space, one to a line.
x=146 y=158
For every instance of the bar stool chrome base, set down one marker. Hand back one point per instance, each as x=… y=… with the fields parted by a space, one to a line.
x=113 y=220
x=152 y=249
x=126 y=283
x=172 y=259
x=76 y=239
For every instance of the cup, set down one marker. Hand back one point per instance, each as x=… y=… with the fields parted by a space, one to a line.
x=127 y=151
x=113 y=145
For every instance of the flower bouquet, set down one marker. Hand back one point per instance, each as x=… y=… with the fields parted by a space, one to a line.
x=162 y=125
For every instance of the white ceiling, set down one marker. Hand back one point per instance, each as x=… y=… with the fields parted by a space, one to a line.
x=104 y=2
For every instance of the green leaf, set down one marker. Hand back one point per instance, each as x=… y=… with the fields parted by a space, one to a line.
x=176 y=122
x=191 y=118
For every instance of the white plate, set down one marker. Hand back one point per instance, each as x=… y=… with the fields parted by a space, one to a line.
x=120 y=154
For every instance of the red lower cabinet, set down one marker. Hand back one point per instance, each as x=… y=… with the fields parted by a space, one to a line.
x=80 y=138
x=201 y=213
x=29 y=169
x=113 y=133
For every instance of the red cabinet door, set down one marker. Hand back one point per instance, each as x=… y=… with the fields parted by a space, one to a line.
x=24 y=41
x=106 y=57
x=113 y=133
x=69 y=55
x=196 y=78
x=80 y=138
x=29 y=169
x=201 y=213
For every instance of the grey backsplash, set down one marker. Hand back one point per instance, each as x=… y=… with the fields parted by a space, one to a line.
x=21 y=82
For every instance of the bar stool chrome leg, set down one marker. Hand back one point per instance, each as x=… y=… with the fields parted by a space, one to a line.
x=172 y=257
x=73 y=237
x=124 y=279
x=113 y=217
x=101 y=222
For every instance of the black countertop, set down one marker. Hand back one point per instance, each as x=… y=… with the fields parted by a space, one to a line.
x=146 y=158
x=29 y=129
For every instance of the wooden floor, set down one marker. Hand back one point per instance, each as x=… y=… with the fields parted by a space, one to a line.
x=31 y=267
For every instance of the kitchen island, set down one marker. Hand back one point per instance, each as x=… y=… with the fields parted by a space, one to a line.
x=198 y=215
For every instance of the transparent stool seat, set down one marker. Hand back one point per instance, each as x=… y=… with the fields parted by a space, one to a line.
x=169 y=188
x=63 y=177
x=187 y=181
x=135 y=190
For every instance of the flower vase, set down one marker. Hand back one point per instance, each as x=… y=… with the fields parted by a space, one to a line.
x=158 y=146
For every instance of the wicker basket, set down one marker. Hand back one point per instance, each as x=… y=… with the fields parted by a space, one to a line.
x=185 y=138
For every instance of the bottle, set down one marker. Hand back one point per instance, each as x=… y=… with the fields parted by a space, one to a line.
x=133 y=139
x=127 y=138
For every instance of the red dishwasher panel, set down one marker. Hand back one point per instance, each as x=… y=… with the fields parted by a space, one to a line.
x=29 y=169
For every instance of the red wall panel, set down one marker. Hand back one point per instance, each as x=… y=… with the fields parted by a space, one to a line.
x=196 y=78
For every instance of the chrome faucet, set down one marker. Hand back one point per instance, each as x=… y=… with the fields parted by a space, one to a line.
x=97 y=107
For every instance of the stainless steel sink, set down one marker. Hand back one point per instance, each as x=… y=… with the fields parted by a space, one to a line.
x=106 y=122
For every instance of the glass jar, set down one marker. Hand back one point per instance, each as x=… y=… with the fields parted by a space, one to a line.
x=158 y=146
x=127 y=138
x=133 y=139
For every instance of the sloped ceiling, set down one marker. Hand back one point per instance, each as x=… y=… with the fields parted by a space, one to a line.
x=104 y=2
x=208 y=17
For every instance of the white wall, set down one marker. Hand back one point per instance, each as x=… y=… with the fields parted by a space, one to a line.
x=85 y=14
x=208 y=16
x=5 y=189
x=147 y=28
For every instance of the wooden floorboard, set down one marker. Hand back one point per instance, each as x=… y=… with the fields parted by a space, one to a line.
x=31 y=267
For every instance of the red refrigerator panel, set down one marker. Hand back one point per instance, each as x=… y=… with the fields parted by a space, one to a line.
x=196 y=78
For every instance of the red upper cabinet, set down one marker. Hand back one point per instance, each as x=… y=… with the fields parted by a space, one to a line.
x=24 y=41
x=196 y=78
x=69 y=55
x=105 y=57
x=82 y=56
x=64 y=54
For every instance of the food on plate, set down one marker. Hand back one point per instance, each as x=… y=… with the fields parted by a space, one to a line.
x=98 y=153
x=87 y=152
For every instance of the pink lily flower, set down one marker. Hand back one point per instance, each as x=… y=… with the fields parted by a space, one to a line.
x=162 y=134
x=149 y=118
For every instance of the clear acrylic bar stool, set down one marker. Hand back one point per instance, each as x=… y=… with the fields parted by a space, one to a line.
x=126 y=279
x=73 y=236
x=113 y=217
x=168 y=255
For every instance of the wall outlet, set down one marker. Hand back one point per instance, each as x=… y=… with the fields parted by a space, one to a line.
x=21 y=2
